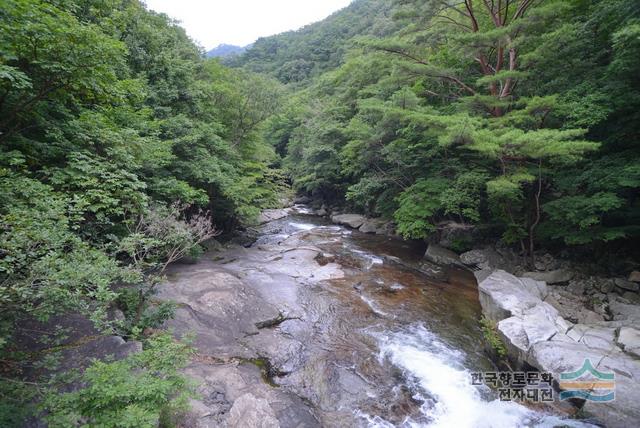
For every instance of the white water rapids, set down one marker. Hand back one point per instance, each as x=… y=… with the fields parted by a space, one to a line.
x=436 y=374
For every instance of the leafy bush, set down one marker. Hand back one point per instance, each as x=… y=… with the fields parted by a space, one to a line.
x=418 y=206
x=490 y=332
x=142 y=390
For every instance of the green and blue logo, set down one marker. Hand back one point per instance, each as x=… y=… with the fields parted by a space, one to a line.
x=588 y=383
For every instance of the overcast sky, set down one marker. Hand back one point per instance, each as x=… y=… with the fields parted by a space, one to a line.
x=240 y=22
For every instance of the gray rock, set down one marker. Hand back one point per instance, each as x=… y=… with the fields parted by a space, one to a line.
x=634 y=276
x=562 y=325
x=452 y=235
x=627 y=285
x=632 y=297
x=520 y=333
x=624 y=311
x=623 y=411
x=535 y=334
x=302 y=200
x=629 y=340
x=352 y=220
x=475 y=258
x=576 y=287
x=572 y=308
x=551 y=277
x=536 y=288
x=503 y=295
x=559 y=356
x=596 y=337
x=251 y=412
x=545 y=262
x=271 y=215
x=217 y=306
x=440 y=255
x=607 y=286
x=377 y=226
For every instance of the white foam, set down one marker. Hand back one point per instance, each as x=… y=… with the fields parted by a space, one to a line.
x=302 y=226
x=370 y=259
x=437 y=375
x=374 y=306
x=302 y=209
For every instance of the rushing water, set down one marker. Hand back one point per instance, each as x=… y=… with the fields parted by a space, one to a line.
x=393 y=346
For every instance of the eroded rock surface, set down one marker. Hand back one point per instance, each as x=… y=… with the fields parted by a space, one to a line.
x=537 y=335
x=352 y=220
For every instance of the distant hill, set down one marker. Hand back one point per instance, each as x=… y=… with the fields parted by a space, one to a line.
x=298 y=56
x=225 y=51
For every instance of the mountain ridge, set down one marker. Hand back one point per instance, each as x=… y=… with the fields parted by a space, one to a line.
x=225 y=50
x=300 y=55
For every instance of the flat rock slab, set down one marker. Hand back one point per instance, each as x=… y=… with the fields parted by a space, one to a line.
x=217 y=306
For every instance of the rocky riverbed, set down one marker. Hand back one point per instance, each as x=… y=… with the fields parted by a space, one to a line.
x=316 y=324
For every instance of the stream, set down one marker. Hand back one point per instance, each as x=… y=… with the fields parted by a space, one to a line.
x=357 y=335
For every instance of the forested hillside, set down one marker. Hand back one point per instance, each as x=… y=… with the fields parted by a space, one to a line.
x=518 y=117
x=121 y=149
x=298 y=56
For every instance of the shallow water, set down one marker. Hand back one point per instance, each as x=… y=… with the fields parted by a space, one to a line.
x=386 y=345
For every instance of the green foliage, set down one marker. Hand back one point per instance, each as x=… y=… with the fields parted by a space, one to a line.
x=135 y=392
x=418 y=206
x=45 y=268
x=578 y=219
x=463 y=197
x=296 y=57
x=490 y=332
x=529 y=148
x=118 y=141
x=153 y=315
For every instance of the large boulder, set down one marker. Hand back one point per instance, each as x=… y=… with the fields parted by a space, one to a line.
x=377 y=226
x=551 y=277
x=440 y=255
x=503 y=295
x=520 y=333
x=487 y=259
x=594 y=336
x=634 y=276
x=271 y=215
x=352 y=220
